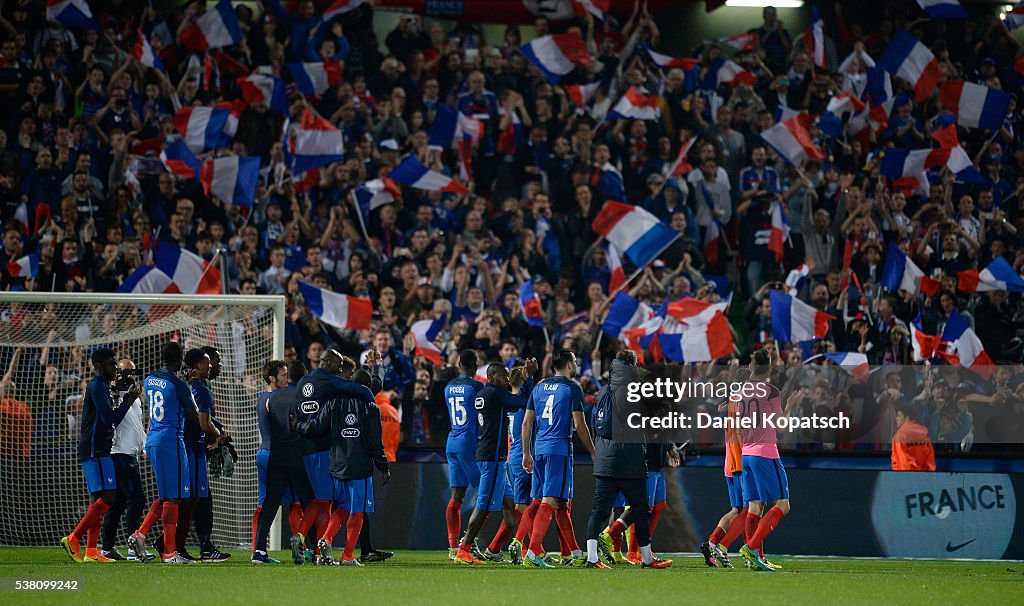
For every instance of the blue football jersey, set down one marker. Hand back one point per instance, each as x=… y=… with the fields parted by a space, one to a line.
x=515 y=432
x=168 y=397
x=203 y=396
x=459 y=395
x=554 y=400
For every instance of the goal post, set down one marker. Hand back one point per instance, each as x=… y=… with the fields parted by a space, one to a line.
x=46 y=340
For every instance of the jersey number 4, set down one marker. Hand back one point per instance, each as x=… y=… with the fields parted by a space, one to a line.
x=458 y=406
x=549 y=409
x=156 y=404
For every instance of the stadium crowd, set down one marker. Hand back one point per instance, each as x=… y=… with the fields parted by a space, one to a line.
x=83 y=189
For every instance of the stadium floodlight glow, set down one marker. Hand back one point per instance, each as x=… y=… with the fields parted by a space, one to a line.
x=765 y=3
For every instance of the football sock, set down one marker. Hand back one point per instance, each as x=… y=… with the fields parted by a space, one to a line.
x=656 y=511
x=504 y=532
x=765 y=528
x=646 y=555
x=184 y=523
x=309 y=515
x=634 y=546
x=716 y=535
x=155 y=510
x=592 y=550
x=750 y=527
x=526 y=523
x=295 y=517
x=453 y=517
x=566 y=530
x=170 y=519
x=355 y=524
x=323 y=515
x=541 y=521
x=97 y=510
x=330 y=530
x=255 y=524
x=737 y=527
x=89 y=519
x=616 y=529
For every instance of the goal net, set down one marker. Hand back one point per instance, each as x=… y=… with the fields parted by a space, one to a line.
x=46 y=340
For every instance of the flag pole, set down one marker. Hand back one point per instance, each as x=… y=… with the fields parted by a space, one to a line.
x=359 y=214
x=547 y=339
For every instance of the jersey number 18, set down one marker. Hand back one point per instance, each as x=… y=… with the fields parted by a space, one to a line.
x=156 y=404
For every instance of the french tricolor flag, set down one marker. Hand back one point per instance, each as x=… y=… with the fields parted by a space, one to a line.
x=451 y=127
x=598 y=8
x=796 y=278
x=741 y=42
x=794 y=321
x=143 y=52
x=257 y=88
x=557 y=55
x=901 y=163
x=340 y=7
x=779 y=231
x=943 y=9
x=218 y=27
x=179 y=160
x=316 y=78
x=374 y=194
x=205 y=127
x=425 y=331
x=411 y=172
x=922 y=344
x=315 y=142
x=635 y=105
x=999 y=275
x=624 y=313
x=814 y=38
x=975 y=106
x=961 y=340
x=581 y=94
x=190 y=273
x=25 y=267
x=618 y=277
x=147 y=280
x=233 y=179
x=726 y=71
x=841 y=109
x=791 y=140
x=634 y=230
x=854 y=363
x=907 y=58
x=667 y=62
x=901 y=273
x=335 y=309
x=694 y=312
x=701 y=343
x=72 y=13
x=681 y=165
x=533 y=311
x=713 y=241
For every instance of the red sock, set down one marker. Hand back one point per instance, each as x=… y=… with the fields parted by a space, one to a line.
x=656 y=511
x=716 y=535
x=566 y=531
x=735 y=528
x=309 y=515
x=616 y=529
x=633 y=544
x=355 y=524
x=504 y=532
x=323 y=516
x=526 y=522
x=97 y=510
x=170 y=519
x=750 y=527
x=541 y=521
x=184 y=523
x=151 y=517
x=563 y=547
x=453 y=518
x=255 y=525
x=338 y=517
x=295 y=517
x=89 y=519
x=765 y=528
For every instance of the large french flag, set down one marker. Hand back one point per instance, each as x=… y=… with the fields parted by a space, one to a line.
x=794 y=321
x=425 y=331
x=624 y=313
x=556 y=55
x=233 y=179
x=943 y=9
x=316 y=78
x=901 y=273
x=694 y=312
x=635 y=105
x=147 y=280
x=340 y=311
x=907 y=58
x=374 y=194
x=901 y=163
x=257 y=88
x=143 y=52
x=726 y=71
x=315 y=142
x=190 y=273
x=25 y=267
x=854 y=363
x=179 y=160
x=667 y=62
x=814 y=38
x=618 y=278
x=340 y=7
x=218 y=27
x=205 y=127
x=72 y=13
x=699 y=343
x=999 y=275
x=411 y=172
x=533 y=311
x=791 y=140
x=634 y=230
x=975 y=106
x=961 y=340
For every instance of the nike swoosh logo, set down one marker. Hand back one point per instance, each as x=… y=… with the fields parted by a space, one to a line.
x=950 y=547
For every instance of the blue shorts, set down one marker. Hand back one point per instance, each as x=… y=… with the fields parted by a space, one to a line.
x=262 y=462
x=198 y=472
x=620 y=501
x=552 y=476
x=170 y=466
x=462 y=470
x=354 y=496
x=318 y=469
x=735 y=486
x=494 y=486
x=655 y=487
x=519 y=479
x=100 y=474
x=764 y=479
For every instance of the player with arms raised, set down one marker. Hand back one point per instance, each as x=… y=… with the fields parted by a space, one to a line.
x=460 y=450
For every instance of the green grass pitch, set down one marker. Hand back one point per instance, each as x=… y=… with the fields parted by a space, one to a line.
x=417 y=577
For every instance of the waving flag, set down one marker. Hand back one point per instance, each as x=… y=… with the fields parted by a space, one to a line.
x=999 y=275
x=901 y=273
x=854 y=363
x=143 y=52
x=703 y=342
x=901 y=163
x=340 y=7
x=796 y=278
x=841 y=109
x=814 y=38
x=1014 y=17
x=581 y=94
x=681 y=165
x=694 y=312
x=645 y=336
x=667 y=62
x=411 y=172
x=25 y=267
x=793 y=320
x=609 y=182
x=316 y=78
x=779 y=231
x=147 y=280
x=974 y=105
x=907 y=58
x=624 y=313
x=791 y=140
x=374 y=194
x=618 y=278
x=943 y=9
x=190 y=273
x=340 y=311
x=425 y=331
x=726 y=71
x=257 y=88
x=636 y=106
x=451 y=128
x=961 y=340
x=533 y=311
x=713 y=241
x=315 y=142
x=598 y=8
x=634 y=230
x=557 y=55
x=923 y=345
x=741 y=42
x=217 y=27
x=179 y=160
x=72 y=13
x=205 y=128
x=233 y=179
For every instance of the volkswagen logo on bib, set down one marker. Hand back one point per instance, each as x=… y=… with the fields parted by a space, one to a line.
x=350 y=419
x=307 y=389
x=943 y=515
